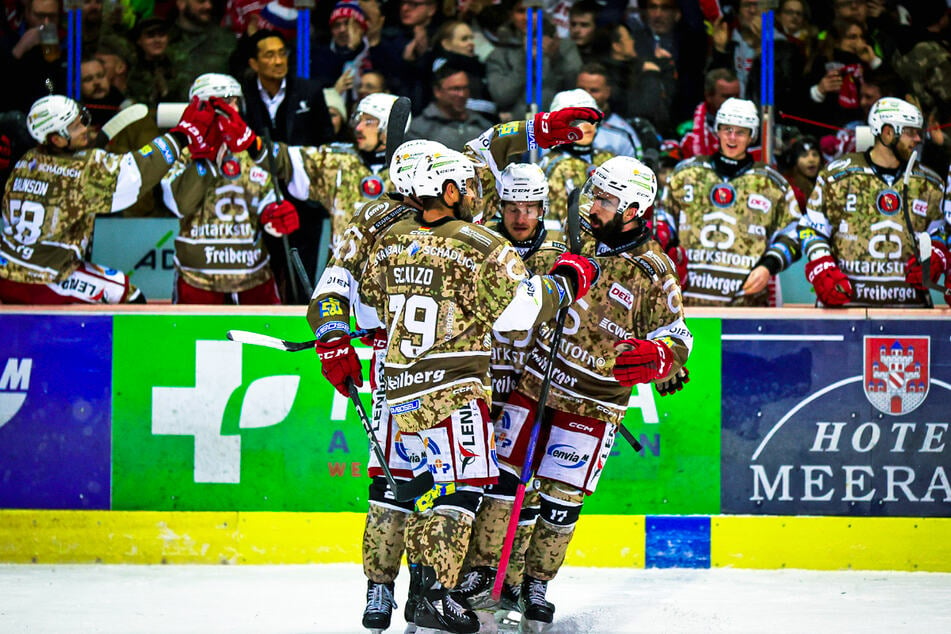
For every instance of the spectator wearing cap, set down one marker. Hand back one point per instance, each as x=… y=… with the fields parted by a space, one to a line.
x=294 y=111
x=340 y=62
x=116 y=56
x=446 y=119
x=151 y=71
x=196 y=46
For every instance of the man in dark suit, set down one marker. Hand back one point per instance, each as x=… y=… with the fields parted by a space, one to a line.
x=294 y=111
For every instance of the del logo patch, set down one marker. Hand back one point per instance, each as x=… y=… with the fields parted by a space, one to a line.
x=759 y=203
x=722 y=195
x=371 y=186
x=888 y=202
x=897 y=373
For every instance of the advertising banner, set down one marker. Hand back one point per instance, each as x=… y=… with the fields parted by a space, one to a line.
x=54 y=411
x=205 y=424
x=836 y=417
x=678 y=469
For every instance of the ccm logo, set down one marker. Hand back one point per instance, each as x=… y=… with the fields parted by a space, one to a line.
x=582 y=427
x=760 y=203
x=621 y=295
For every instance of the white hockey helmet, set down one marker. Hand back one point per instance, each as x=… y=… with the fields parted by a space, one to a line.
x=575 y=98
x=216 y=85
x=433 y=171
x=523 y=182
x=52 y=115
x=404 y=162
x=895 y=112
x=625 y=177
x=740 y=113
x=377 y=105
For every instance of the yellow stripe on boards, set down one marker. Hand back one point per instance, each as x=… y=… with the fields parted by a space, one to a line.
x=831 y=543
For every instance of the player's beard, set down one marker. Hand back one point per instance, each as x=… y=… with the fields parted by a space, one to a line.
x=609 y=233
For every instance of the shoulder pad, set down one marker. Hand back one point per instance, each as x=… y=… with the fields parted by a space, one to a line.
x=340 y=148
x=762 y=169
x=928 y=174
x=652 y=263
x=693 y=161
x=479 y=236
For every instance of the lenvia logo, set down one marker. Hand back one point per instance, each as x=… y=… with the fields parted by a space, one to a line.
x=198 y=411
x=14 y=384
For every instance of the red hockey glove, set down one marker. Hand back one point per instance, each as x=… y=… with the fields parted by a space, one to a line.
x=280 y=219
x=236 y=133
x=555 y=128
x=832 y=286
x=678 y=255
x=198 y=124
x=663 y=234
x=939 y=263
x=641 y=361
x=673 y=384
x=5 y=151
x=711 y=10
x=582 y=272
x=339 y=362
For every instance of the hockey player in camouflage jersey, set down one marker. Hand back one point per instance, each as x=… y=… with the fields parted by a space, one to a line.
x=636 y=308
x=224 y=207
x=440 y=285
x=568 y=166
x=736 y=218
x=523 y=193
x=858 y=229
x=55 y=192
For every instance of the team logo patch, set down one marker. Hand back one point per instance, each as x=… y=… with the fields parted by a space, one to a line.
x=507 y=129
x=329 y=307
x=722 y=195
x=897 y=373
x=230 y=168
x=372 y=186
x=888 y=202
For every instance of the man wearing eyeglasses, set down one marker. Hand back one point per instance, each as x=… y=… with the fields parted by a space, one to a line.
x=294 y=110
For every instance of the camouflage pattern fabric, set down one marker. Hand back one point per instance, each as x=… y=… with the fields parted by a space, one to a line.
x=565 y=172
x=728 y=226
x=51 y=200
x=488 y=534
x=547 y=550
x=220 y=246
x=927 y=69
x=637 y=296
x=442 y=538
x=857 y=216
x=383 y=543
x=439 y=289
x=337 y=289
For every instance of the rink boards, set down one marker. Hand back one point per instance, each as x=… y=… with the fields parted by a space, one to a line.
x=805 y=439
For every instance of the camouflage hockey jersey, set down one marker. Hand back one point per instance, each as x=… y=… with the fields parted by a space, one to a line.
x=509 y=349
x=338 y=289
x=51 y=200
x=494 y=148
x=566 y=171
x=636 y=297
x=220 y=245
x=439 y=289
x=334 y=175
x=729 y=226
x=860 y=216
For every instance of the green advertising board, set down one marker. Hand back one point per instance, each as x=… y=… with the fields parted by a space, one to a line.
x=204 y=424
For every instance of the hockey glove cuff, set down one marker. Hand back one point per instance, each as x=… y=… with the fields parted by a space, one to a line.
x=339 y=362
x=939 y=264
x=548 y=129
x=280 y=219
x=580 y=271
x=673 y=383
x=641 y=361
x=832 y=286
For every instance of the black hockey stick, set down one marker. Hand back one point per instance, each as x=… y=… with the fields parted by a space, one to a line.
x=922 y=239
x=404 y=490
x=301 y=272
x=396 y=126
x=255 y=339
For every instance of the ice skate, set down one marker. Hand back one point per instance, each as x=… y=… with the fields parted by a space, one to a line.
x=438 y=612
x=380 y=604
x=537 y=613
x=412 y=599
x=475 y=588
x=508 y=613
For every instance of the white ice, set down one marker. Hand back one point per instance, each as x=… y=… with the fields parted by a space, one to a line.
x=131 y=599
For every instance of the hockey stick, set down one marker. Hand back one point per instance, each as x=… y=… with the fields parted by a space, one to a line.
x=404 y=490
x=301 y=272
x=396 y=126
x=123 y=119
x=255 y=339
x=922 y=239
x=279 y=195
x=573 y=231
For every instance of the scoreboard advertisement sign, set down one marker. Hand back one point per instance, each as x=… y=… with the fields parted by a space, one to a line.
x=836 y=417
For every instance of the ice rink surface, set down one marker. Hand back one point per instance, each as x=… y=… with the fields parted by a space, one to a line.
x=131 y=599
